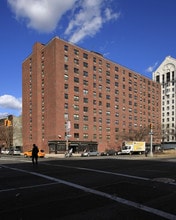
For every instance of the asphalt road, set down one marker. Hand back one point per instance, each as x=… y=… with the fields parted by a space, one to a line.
x=123 y=188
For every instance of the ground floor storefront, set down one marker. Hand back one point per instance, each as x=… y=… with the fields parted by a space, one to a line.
x=59 y=147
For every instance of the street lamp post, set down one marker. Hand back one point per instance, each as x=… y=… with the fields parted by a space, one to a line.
x=151 y=141
x=68 y=126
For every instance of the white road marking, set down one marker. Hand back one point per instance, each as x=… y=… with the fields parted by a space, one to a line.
x=110 y=173
x=27 y=187
x=99 y=193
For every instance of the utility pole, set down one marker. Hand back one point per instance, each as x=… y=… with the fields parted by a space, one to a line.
x=151 y=141
x=68 y=126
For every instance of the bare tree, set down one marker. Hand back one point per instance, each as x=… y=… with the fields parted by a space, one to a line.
x=142 y=134
x=135 y=135
x=6 y=136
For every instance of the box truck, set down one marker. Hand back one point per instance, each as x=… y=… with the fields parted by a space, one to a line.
x=130 y=147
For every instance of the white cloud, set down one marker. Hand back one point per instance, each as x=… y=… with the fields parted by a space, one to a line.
x=41 y=15
x=3 y=115
x=10 y=102
x=89 y=19
x=86 y=17
x=150 y=69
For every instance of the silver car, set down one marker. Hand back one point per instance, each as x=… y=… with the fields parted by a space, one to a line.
x=89 y=153
x=15 y=152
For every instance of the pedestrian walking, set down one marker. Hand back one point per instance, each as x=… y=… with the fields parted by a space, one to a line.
x=35 y=151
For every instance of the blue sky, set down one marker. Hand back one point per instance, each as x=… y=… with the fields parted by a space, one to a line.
x=138 y=34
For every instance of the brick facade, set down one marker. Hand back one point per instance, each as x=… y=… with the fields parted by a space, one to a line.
x=102 y=100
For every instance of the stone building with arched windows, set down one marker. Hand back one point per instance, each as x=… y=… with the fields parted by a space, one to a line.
x=165 y=74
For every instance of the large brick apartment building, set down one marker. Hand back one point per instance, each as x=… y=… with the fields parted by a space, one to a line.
x=76 y=97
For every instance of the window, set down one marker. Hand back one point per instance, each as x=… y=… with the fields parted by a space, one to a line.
x=76 y=135
x=85 y=82
x=108 y=121
x=116 y=68
x=76 y=107
x=65 y=47
x=168 y=77
x=85 y=100
x=85 y=91
x=85 y=127
x=76 y=89
x=85 y=73
x=100 y=87
x=85 y=136
x=94 y=127
x=85 y=109
x=100 y=70
x=85 y=64
x=76 y=70
x=94 y=136
x=85 y=118
x=158 y=79
x=65 y=76
x=76 y=98
x=66 y=96
x=108 y=89
x=76 y=61
x=76 y=52
x=76 y=126
x=65 y=58
x=76 y=79
x=108 y=81
x=107 y=73
x=65 y=67
x=85 y=56
x=108 y=65
x=108 y=113
x=116 y=84
x=100 y=79
x=76 y=116
x=108 y=105
x=116 y=76
x=66 y=86
x=108 y=97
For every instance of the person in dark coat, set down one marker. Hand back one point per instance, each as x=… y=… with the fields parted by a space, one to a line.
x=35 y=151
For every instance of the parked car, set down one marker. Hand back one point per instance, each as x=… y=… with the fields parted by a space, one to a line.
x=41 y=153
x=14 y=151
x=89 y=153
x=5 y=151
x=109 y=152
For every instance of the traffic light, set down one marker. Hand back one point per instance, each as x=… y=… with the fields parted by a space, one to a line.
x=151 y=126
x=7 y=123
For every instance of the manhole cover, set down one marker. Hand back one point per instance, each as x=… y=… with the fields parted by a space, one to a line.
x=164 y=180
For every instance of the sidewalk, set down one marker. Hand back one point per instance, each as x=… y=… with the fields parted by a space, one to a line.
x=52 y=155
x=164 y=154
